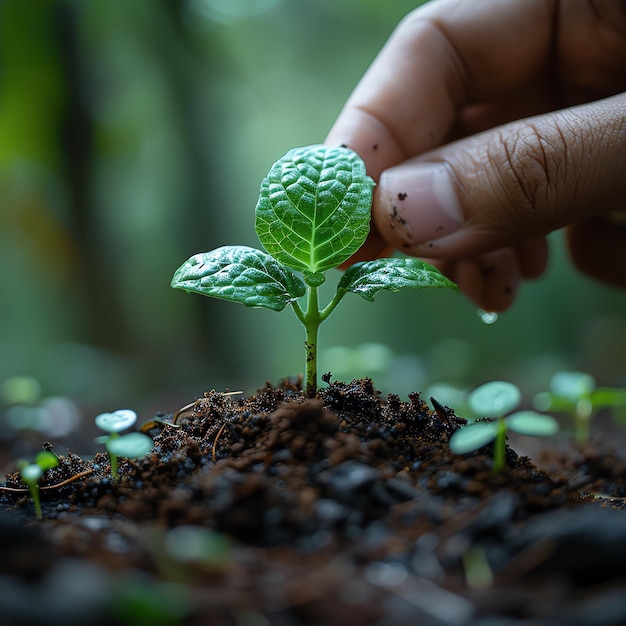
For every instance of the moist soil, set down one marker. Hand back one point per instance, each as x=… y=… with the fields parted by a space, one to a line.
x=347 y=509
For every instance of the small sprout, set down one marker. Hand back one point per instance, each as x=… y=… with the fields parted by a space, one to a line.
x=194 y=544
x=313 y=214
x=31 y=474
x=20 y=390
x=576 y=394
x=478 y=572
x=117 y=421
x=493 y=401
x=131 y=446
x=135 y=599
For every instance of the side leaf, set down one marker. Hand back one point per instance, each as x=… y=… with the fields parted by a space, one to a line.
x=240 y=274
x=472 y=437
x=366 y=279
x=533 y=424
x=608 y=396
x=314 y=207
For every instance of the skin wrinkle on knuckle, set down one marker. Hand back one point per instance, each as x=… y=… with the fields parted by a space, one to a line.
x=599 y=139
x=534 y=165
x=613 y=130
x=620 y=131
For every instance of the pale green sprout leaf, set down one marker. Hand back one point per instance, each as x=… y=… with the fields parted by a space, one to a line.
x=31 y=473
x=116 y=421
x=547 y=401
x=46 y=460
x=366 y=279
x=494 y=399
x=131 y=446
x=198 y=544
x=572 y=385
x=314 y=207
x=608 y=397
x=240 y=274
x=532 y=424
x=20 y=390
x=473 y=437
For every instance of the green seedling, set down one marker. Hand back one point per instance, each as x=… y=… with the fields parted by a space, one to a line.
x=312 y=215
x=31 y=474
x=131 y=446
x=494 y=401
x=576 y=394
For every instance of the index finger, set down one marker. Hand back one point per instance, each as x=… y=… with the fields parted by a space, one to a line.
x=441 y=57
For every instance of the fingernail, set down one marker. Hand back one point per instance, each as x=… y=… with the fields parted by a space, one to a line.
x=422 y=203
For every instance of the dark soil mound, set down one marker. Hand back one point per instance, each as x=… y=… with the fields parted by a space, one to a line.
x=343 y=509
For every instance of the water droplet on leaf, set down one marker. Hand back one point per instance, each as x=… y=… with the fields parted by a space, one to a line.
x=487 y=317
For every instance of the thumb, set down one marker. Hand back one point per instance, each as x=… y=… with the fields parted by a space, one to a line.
x=506 y=185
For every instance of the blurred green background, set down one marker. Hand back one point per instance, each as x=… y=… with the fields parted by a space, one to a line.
x=134 y=134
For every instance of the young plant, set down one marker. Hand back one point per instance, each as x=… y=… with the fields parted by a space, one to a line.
x=312 y=215
x=131 y=446
x=31 y=474
x=493 y=401
x=576 y=394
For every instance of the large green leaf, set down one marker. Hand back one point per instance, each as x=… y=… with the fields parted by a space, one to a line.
x=240 y=274
x=314 y=207
x=369 y=277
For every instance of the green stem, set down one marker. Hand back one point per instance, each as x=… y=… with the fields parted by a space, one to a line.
x=113 y=460
x=312 y=320
x=113 y=457
x=499 y=447
x=582 y=417
x=34 y=492
x=332 y=304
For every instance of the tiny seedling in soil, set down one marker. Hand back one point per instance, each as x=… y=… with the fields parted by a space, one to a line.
x=576 y=394
x=31 y=474
x=312 y=215
x=493 y=401
x=131 y=446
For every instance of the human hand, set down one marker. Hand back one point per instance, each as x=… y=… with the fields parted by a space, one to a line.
x=489 y=124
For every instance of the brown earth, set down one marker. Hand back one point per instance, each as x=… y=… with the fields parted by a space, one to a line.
x=346 y=509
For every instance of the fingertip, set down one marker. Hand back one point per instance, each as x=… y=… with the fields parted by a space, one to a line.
x=374 y=247
x=532 y=257
x=491 y=281
x=368 y=136
x=415 y=207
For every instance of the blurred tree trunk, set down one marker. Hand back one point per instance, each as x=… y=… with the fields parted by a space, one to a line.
x=104 y=320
